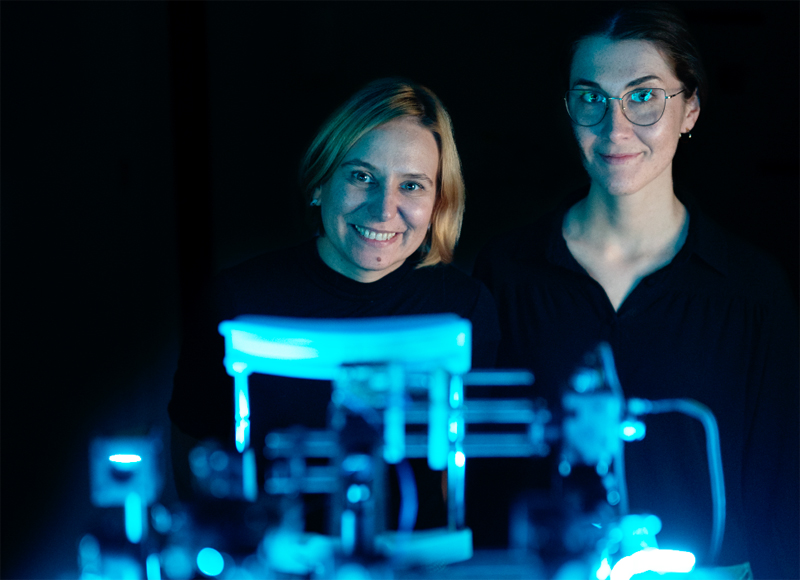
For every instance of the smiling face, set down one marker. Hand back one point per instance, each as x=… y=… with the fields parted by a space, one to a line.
x=620 y=157
x=377 y=206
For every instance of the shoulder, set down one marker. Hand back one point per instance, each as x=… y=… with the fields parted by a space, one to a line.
x=524 y=251
x=274 y=268
x=748 y=271
x=270 y=281
x=447 y=283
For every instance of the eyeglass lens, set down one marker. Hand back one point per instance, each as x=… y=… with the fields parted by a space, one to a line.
x=641 y=106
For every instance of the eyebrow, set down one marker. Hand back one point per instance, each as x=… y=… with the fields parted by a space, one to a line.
x=633 y=83
x=361 y=163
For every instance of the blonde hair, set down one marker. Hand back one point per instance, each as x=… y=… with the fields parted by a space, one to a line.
x=377 y=103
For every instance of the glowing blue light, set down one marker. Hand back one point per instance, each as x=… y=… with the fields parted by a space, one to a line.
x=461 y=339
x=210 y=562
x=353 y=493
x=604 y=571
x=125 y=458
x=348 y=531
x=653 y=560
x=134 y=529
x=244 y=407
x=239 y=367
x=274 y=348
x=241 y=429
x=454 y=427
x=153 y=566
x=460 y=459
x=456 y=397
x=249 y=478
x=632 y=431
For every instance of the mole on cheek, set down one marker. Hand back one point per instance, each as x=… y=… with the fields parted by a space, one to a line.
x=378 y=259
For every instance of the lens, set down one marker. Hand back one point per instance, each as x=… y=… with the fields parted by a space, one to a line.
x=585 y=107
x=644 y=106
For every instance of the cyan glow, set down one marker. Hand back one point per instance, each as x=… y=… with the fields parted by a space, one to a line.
x=460 y=459
x=244 y=407
x=438 y=420
x=153 y=567
x=456 y=397
x=653 y=560
x=394 y=434
x=274 y=348
x=453 y=427
x=239 y=367
x=604 y=571
x=348 y=530
x=241 y=430
x=134 y=528
x=210 y=562
x=249 y=477
x=357 y=493
x=125 y=458
x=632 y=431
x=161 y=518
x=318 y=348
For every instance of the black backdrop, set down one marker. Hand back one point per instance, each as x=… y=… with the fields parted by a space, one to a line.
x=145 y=145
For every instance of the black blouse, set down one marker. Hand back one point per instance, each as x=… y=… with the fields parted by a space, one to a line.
x=717 y=325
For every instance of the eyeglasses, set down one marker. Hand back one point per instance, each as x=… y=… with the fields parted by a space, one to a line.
x=641 y=107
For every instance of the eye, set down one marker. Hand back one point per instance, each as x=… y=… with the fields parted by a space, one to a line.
x=361 y=176
x=412 y=186
x=591 y=97
x=642 y=96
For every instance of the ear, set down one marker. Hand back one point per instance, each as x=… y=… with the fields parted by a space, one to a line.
x=691 y=112
x=316 y=198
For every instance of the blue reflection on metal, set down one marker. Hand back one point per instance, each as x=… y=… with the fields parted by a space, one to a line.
x=125 y=458
x=210 y=562
x=153 y=567
x=604 y=571
x=134 y=526
x=653 y=560
x=460 y=459
x=632 y=430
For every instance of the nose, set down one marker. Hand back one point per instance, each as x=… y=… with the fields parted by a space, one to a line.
x=617 y=125
x=383 y=203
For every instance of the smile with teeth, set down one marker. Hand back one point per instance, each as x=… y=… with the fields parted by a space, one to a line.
x=373 y=235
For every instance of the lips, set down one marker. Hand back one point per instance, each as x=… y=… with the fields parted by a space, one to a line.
x=369 y=234
x=619 y=158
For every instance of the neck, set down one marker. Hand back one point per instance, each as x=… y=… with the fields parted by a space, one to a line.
x=650 y=217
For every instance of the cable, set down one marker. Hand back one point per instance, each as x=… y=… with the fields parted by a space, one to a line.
x=409 y=504
x=703 y=414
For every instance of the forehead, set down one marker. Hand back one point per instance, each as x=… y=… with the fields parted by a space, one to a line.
x=614 y=63
x=404 y=136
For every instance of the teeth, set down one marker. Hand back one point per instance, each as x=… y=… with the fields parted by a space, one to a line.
x=372 y=235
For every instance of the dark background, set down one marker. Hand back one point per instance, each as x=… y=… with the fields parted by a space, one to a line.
x=146 y=145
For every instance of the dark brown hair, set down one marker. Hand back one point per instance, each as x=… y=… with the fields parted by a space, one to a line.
x=656 y=22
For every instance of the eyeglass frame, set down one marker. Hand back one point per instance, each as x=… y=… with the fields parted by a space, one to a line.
x=620 y=99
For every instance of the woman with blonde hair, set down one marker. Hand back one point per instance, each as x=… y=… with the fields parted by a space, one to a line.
x=384 y=190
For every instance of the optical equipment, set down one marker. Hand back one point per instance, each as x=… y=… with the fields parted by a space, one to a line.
x=397 y=394
x=642 y=107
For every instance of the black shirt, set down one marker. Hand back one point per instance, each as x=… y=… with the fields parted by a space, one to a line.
x=716 y=325
x=296 y=282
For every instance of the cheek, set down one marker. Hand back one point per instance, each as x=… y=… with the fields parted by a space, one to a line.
x=420 y=215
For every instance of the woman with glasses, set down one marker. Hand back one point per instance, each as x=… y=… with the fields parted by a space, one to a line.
x=690 y=312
